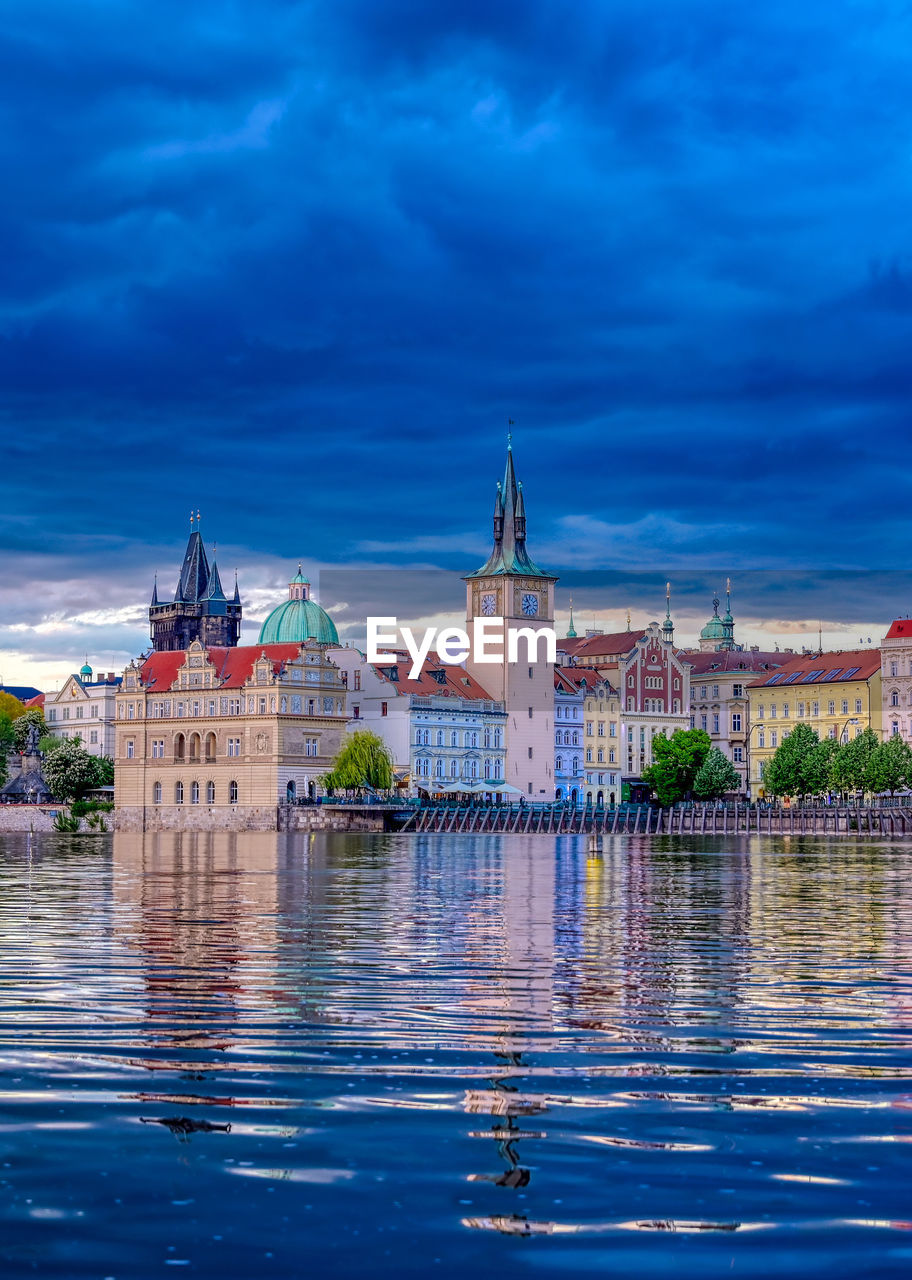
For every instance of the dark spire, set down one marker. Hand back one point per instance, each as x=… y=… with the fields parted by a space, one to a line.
x=668 y=627
x=155 y=592
x=509 y=554
x=194 y=579
x=728 y=622
x=215 y=591
x=237 y=594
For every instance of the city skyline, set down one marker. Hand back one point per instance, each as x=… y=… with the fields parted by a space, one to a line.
x=298 y=265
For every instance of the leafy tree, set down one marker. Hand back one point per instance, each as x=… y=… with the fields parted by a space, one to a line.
x=850 y=763
x=34 y=715
x=7 y=743
x=363 y=763
x=70 y=771
x=105 y=771
x=889 y=766
x=794 y=769
x=10 y=708
x=818 y=766
x=716 y=776
x=676 y=761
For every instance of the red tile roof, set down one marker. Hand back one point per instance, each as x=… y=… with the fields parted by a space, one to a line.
x=233 y=666
x=37 y=701
x=830 y=668
x=901 y=627
x=575 y=679
x=456 y=682
x=702 y=664
x=615 y=642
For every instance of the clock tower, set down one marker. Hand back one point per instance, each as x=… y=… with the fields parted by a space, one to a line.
x=511 y=588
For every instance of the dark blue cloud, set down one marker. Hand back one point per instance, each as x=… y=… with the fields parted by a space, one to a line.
x=297 y=263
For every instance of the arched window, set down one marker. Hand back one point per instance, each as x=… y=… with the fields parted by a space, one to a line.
x=210 y=793
x=210 y=746
x=575 y=765
x=497 y=737
x=438 y=769
x=180 y=746
x=454 y=768
x=291 y=792
x=232 y=792
x=194 y=793
x=473 y=769
x=487 y=736
x=194 y=745
x=454 y=739
x=894 y=698
x=559 y=762
x=576 y=737
x=178 y=793
x=439 y=737
x=157 y=793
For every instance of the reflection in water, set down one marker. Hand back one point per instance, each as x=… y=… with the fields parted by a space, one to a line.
x=399 y=1054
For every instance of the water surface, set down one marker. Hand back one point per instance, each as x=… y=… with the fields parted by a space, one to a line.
x=389 y=1055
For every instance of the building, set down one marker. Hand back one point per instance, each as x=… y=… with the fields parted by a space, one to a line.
x=602 y=730
x=213 y=738
x=512 y=591
x=719 y=633
x=570 y=686
x=838 y=694
x=652 y=680
x=22 y=692
x=85 y=707
x=443 y=730
x=719 y=698
x=896 y=679
x=298 y=618
x=200 y=609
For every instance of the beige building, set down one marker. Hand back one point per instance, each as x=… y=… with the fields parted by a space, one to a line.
x=838 y=694
x=719 y=698
x=220 y=738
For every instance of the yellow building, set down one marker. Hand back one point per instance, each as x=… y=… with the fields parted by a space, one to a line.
x=837 y=694
x=218 y=739
x=602 y=761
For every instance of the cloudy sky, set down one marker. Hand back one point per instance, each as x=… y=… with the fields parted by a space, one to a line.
x=296 y=264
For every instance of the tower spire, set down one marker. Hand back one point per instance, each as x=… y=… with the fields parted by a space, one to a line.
x=509 y=553
x=571 y=631
x=668 y=625
x=728 y=622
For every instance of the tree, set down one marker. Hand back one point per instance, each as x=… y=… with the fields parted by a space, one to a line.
x=850 y=763
x=104 y=766
x=10 y=708
x=34 y=715
x=716 y=775
x=889 y=766
x=676 y=761
x=70 y=771
x=818 y=766
x=7 y=743
x=364 y=763
x=794 y=767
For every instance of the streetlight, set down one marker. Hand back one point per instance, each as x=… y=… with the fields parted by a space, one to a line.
x=758 y=724
x=843 y=736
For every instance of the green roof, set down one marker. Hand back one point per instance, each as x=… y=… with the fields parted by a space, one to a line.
x=295 y=621
x=714 y=630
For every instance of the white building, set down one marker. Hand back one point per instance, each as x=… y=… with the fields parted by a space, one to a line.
x=442 y=729
x=85 y=708
x=896 y=679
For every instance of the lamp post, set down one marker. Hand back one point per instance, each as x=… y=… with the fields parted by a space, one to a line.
x=843 y=736
x=758 y=724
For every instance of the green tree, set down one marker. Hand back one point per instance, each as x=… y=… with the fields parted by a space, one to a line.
x=34 y=715
x=10 y=708
x=793 y=769
x=850 y=763
x=889 y=766
x=7 y=744
x=676 y=761
x=364 y=763
x=104 y=771
x=70 y=771
x=716 y=776
x=818 y=766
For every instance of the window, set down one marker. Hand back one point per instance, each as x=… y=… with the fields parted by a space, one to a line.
x=761 y=712
x=702 y=690
x=785 y=711
x=737 y=754
x=715 y=691
x=845 y=706
x=773 y=712
x=737 y=690
x=831 y=708
x=79 y=711
x=384 y=708
x=589 y=727
x=773 y=738
x=530 y=753
x=895 y=728
x=800 y=711
x=815 y=708
x=761 y=739
x=52 y=714
x=178 y=793
x=630 y=682
x=601 y=755
x=93 y=737
x=588 y=755
x=158 y=748
x=232 y=793
x=156 y=793
x=858 y=706
x=559 y=711
x=234 y=746
x=531 y=713
x=357 y=680
x=66 y=713
x=703 y=721
x=211 y=705
x=262 y=706
x=736 y=722
x=210 y=793
x=894 y=699
x=894 y=669
x=356 y=712
x=194 y=793
x=439 y=738
x=559 y=763
x=454 y=738
x=131 y=748
x=601 y=728
x=715 y=722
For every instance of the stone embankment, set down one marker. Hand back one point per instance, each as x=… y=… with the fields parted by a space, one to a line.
x=29 y=817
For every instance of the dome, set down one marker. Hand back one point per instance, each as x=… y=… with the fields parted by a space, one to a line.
x=295 y=621
x=85 y=670
x=714 y=630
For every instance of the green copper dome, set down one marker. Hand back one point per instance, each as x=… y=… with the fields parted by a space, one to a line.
x=299 y=618
x=296 y=621
x=85 y=670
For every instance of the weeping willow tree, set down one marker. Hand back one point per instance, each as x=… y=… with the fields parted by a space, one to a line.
x=363 y=764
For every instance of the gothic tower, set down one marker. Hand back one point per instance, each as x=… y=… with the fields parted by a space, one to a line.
x=510 y=589
x=200 y=609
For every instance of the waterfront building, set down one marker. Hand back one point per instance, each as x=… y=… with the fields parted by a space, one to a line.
x=570 y=685
x=85 y=707
x=838 y=694
x=602 y=737
x=719 y=698
x=213 y=738
x=443 y=730
x=652 y=680
x=200 y=610
x=896 y=679
x=509 y=586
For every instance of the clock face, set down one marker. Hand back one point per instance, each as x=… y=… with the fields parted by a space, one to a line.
x=488 y=604
x=530 y=605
